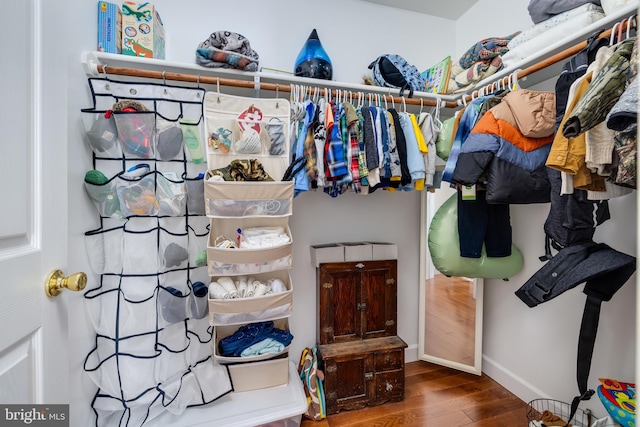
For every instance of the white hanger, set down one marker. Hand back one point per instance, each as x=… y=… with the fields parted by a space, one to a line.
x=613 y=33
x=404 y=105
x=632 y=17
x=515 y=84
x=436 y=115
x=386 y=106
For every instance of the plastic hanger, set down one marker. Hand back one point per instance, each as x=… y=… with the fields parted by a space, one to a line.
x=629 y=24
x=515 y=85
x=622 y=24
x=613 y=33
x=436 y=114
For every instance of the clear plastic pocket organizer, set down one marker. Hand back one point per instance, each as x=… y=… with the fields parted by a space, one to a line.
x=162 y=122
x=246 y=301
x=273 y=252
x=242 y=199
x=240 y=128
x=150 y=311
x=153 y=194
x=137 y=133
x=147 y=246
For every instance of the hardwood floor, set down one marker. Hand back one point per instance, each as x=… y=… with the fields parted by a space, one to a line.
x=436 y=396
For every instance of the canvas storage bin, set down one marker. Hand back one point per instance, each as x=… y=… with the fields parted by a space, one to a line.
x=259 y=375
x=236 y=261
x=238 y=127
x=249 y=198
x=235 y=311
x=220 y=332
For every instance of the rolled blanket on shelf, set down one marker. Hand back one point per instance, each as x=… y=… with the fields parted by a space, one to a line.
x=226 y=49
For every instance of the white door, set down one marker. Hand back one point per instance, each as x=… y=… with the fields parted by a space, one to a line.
x=33 y=210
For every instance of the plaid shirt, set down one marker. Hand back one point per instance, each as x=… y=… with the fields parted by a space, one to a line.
x=335 y=165
x=351 y=122
x=362 y=161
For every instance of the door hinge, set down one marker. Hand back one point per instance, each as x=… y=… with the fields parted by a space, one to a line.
x=327 y=329
x=389 y=323
x=327 y=285
x=331 y=368
x=368 y=376
x=333 y=396
x=361 y=306
x=391 y=281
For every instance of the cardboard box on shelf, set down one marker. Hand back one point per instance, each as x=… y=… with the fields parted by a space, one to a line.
x=109 y=27
x=142 y=30
x=357 y=251
x=384 y=250
x=330 y=252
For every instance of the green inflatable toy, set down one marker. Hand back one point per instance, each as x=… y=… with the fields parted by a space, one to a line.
x=444 y=247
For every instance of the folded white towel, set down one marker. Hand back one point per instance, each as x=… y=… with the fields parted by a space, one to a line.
x=228 y=284
x=277 y=286
x=264 y=237
x=242 y=286
x=216 y=291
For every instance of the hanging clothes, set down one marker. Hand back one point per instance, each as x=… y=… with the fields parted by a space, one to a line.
x=606 y=88
x=468 y=119
x=508 y=148
x=430 y=131
x=415 y=160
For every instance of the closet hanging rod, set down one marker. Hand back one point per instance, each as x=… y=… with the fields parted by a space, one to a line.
x=250 y=84
x=554 y=59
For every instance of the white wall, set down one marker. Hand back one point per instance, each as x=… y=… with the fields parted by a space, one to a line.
x=532 y=351
x=526 y=349
x=353 y=33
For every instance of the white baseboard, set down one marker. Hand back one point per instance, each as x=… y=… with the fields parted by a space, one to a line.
x=507 y=379
x=411 y=353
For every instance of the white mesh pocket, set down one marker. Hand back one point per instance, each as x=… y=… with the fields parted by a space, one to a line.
x=137 y=196
x=105 y=248
x=102 y=134
x=173 y=250
x=140 y=244
x=136 y=131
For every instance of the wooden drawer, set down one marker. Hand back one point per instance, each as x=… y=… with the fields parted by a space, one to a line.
x=389 y=386
x=388 y=360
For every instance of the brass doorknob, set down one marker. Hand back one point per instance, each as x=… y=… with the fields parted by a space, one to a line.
x=56 y=281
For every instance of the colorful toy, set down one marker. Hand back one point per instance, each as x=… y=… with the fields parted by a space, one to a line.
x=619 y=399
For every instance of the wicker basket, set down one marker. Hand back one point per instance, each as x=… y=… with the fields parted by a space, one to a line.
x=536 y=407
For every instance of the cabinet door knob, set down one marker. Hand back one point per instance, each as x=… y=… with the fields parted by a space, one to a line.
x=389 y=387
